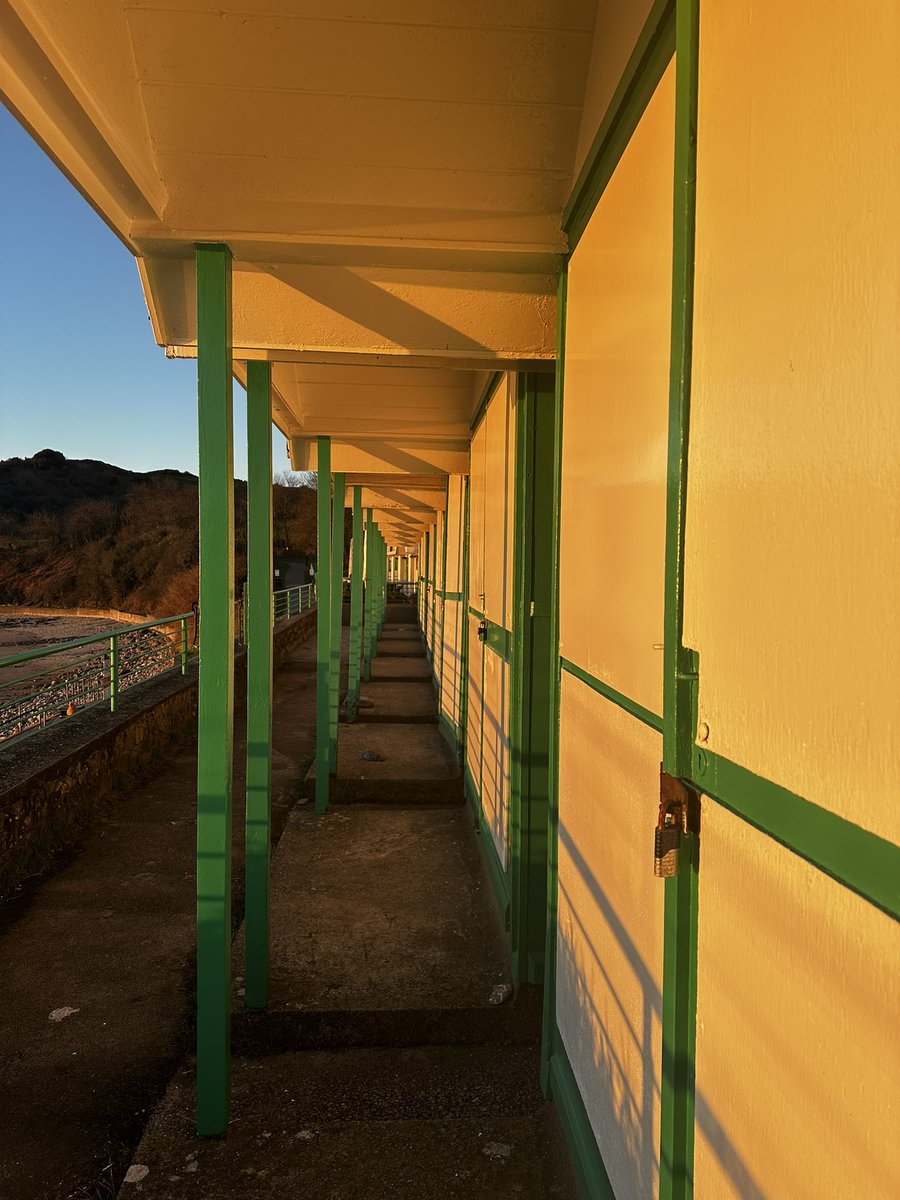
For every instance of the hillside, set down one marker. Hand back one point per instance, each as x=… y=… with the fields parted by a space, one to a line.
x=82 y=533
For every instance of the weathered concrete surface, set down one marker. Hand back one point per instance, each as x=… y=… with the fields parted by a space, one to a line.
x=417 y=767
x=111 y=934
x=437 y=1124
x=382 y=908
x=401 y=668
x=393 y=701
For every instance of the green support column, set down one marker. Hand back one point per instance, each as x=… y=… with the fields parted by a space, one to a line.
x=382 y=594
x=337 y=608
x=216 y=688
x=258 y=626
x=355 y=608
x=323 y=619
x=369 y=600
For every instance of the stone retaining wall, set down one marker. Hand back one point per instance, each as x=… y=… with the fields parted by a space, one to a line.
x=53 y=784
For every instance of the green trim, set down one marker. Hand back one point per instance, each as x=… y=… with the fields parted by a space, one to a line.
x=354 y=673
x=497 y=875
x=584 y=1152
x=531 y=670
x=457 y=596
x=215 y=720
x=860 y=860
x=498 y=639
x=448 y=731
x=679 y=1025
x=463 y=703
x=440 y=695
x=548 y=1030
x=610 y=693
x=369 y=597
x=484 y=399
x=323 y=618
x=652 y=54
x=337 y=610
x=258 y=629
x=680 y=664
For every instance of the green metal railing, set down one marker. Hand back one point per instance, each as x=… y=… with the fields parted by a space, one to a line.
x=289 y=602
x=81 y=674
x=89 y=671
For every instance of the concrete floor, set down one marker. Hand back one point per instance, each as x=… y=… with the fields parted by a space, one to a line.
x=381 y=1070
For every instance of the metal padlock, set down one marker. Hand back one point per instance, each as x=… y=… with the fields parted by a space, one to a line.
x=667 y=841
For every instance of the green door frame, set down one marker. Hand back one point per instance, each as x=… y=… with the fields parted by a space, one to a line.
x=215 y=722
x=356 y=601
x=323 y=620
x=259 y=634
x=531 y=683
x=336 y=617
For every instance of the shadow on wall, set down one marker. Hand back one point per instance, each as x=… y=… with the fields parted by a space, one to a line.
x=602 y=1039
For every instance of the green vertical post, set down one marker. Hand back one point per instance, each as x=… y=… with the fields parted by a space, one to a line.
x=532 y=676
x=355 y=608
x=337 y=608
x=184 y=645
x=323 y=619
x=680 y=665
x=548 y=1027
x=434 y=558
x=258 y=633
x=216 y=688
x=369 y=598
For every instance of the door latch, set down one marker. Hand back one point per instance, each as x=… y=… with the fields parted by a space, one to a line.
x=679 y=815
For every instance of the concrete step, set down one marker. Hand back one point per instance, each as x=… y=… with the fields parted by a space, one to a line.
x=416 y=766
x=516 y=1022
x=381 y=909
x=453 y=1124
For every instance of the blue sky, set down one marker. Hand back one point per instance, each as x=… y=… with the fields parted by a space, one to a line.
x=79 y=369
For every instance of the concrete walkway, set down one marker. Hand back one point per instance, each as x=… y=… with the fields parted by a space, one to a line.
x=97 y=967
x=382 y=1069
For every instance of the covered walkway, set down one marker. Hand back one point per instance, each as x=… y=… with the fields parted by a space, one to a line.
x=393 y=1060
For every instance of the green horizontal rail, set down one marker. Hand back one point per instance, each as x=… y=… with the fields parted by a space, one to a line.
x=58 y=648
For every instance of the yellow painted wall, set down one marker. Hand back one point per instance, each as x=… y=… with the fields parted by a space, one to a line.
x=792 y=563
x=476 y=517
x=499 y=473
x=618 y=320
x=453 y=609
x=474 y=703
x=798 y=1053
x=609 y=940
x=495 y=751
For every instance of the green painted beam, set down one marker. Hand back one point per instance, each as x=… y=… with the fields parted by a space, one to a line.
x=680 y=666
x=369 y=597
x=323 y=620
x=337 y=608
x=258 y=626
x=548 y=1030
x=216 y=688
x=532 y=670
x=356 y=600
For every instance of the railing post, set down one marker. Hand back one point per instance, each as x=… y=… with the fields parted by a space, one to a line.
x=113 y=674
x=184 y=645
x=216 y=688
x=337 y=608
x=258 y=624
x=355 y=608
x=323 y=618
